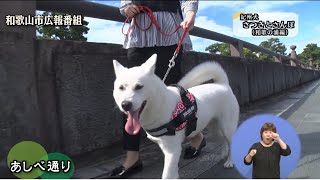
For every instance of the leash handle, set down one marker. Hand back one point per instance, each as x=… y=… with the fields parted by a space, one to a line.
x=176 y=52
x=153 y=20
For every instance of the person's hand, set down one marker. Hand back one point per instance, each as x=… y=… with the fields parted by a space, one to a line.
x=131 y=10
x=253 y=152
x=188 y=22
x=275 y=136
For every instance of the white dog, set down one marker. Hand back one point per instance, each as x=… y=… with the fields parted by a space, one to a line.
x=149 y=104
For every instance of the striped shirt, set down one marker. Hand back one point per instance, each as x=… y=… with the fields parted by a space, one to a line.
x=167 y=22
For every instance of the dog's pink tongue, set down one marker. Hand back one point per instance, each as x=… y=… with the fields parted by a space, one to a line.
x=133 y=126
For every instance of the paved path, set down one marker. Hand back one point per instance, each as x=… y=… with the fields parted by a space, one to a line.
x=305 y=116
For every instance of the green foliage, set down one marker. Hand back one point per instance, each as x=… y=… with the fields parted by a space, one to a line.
x=310 y=52
x=62 y=32
x=224 y=49
x=249 y=54
x=274 y=45
x=219 y=48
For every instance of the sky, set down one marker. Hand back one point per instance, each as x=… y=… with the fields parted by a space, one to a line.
x=217 y=16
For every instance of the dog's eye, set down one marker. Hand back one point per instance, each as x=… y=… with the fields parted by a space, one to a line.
x=121 y=87
x=138 y=86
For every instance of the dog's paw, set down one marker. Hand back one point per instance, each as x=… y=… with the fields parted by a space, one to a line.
x=228 y=164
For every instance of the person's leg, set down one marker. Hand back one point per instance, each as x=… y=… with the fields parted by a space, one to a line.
x=138 y=56
x=131 y=143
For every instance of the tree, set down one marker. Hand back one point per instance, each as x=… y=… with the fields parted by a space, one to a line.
x=310 y=52
x=224 y=49
x=274 y=45
x=62 y=32
x=219 y=48
x=247 y=53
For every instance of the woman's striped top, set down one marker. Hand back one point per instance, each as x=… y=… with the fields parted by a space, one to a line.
x=167 y=21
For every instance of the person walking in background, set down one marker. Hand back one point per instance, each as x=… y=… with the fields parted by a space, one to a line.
x=265 y=155
x=141 y=45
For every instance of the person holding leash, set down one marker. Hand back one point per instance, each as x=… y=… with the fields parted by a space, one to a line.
x=145 y=39
x=266 y=154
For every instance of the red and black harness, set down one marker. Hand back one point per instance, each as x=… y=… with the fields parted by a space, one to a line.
x=184 y=116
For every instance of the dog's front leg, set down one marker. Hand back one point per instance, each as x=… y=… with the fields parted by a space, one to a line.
x=171 y=159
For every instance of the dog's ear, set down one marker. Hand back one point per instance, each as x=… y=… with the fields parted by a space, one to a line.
x=117 y=67
x=150 y=64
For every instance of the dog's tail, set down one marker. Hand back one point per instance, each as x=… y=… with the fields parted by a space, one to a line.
x=202 y=73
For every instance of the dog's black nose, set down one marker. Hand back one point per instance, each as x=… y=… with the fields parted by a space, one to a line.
x=126 y=105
